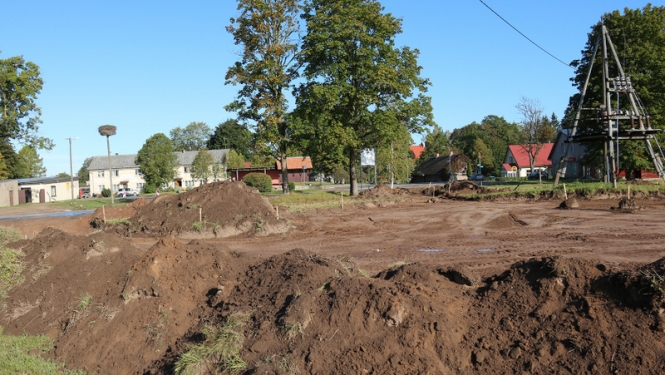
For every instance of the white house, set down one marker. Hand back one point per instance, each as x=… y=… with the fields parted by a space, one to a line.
x=516 y=163
x=125 y=172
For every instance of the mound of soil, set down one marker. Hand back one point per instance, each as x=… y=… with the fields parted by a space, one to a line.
x=219 y=209
x=378 y=192
x=319 y=316
x=322 y=315
x=569 y=203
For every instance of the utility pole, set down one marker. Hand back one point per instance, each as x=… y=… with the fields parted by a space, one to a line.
x=71 y=169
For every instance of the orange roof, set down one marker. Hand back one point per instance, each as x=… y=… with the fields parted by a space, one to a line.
x=248 y=164
x=296 y=162
x=417 y=150
x=522 y=157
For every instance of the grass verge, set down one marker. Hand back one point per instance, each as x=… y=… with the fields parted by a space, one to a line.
x=15 y=357
x=219 y=352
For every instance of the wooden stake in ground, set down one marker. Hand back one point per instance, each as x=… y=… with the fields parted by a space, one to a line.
x=342 y=198
x=565 y=195
x=104 y=213
x=628 y=193
x=200 y=209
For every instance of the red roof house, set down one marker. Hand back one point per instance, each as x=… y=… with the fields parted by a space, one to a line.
x=417 y=150
x=516 y=163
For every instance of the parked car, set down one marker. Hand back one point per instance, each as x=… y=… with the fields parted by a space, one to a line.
x=128 y=191
x=477 y=177
x=535 y=175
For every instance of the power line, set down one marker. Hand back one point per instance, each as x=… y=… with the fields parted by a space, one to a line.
x=522 y=34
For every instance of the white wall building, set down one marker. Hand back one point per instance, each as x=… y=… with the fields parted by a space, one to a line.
x=125 y=173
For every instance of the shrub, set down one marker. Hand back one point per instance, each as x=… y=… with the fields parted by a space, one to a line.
x=341 y=175
x=106 y=192
x=261 y=181
x=292 y=186
x=149 y=188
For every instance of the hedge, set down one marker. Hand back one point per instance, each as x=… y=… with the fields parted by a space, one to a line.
x=261 y=181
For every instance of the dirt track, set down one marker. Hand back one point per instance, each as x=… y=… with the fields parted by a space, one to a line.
x=481 y=289
x=480 y=234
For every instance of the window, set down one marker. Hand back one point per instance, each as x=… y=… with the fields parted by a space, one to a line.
x=100 y=173
x=187 y=169
x=164 y=185
x=116 y=187
x=137 y=172
x=139 y=186
x=101 y=187
x=116 y=173
x=53 y=191
x=201 y=182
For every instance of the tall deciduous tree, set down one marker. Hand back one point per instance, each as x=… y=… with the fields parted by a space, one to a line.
x=19 y=114
x=532 y=125
x=437 y=142
x=236 y=160
x=83 y=174
x=202 y=165
x=268 y=31
x=156 y=160
x=639 y=41
x=193 y=137
x=230 y=134
x=30 y=165
x=10 y=156
x=395 y=160
x=4 y=171
x=361 y=90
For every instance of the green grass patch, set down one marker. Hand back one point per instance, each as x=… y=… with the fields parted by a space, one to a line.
x=15 y=357
x=11 y=268
x=220 y=350
x=91 y=204
x=117 y=221
x=8 y=234
x=303 y=200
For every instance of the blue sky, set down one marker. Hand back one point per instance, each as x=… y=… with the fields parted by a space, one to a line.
x=150 y=66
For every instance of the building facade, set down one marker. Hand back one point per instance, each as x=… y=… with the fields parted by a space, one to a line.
x=125 y=173
x=516 y=162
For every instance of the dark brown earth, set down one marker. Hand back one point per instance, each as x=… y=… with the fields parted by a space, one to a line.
x=405 y=284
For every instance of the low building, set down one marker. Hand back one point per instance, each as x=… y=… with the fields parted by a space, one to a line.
x=47 y=189
x=439 y=168
x=9 y=193
x=517 y=163
x=575 y=167
x=299 y=168
x=126 y=174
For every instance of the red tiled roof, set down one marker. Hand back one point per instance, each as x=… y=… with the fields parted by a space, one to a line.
x=522 y=158
x=296 y=162
x=507 y=167
x=417 y=150
x=248 y=164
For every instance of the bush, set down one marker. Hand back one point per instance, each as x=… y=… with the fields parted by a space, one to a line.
x=341 y=175
x=149 y=188
x=261 y=181
x=292 y=186
x=106 y=192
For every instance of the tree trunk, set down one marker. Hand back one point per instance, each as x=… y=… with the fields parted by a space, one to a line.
x=285 y=172
x=352 y=173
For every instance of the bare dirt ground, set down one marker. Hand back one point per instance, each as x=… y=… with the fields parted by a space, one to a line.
x=451 y=286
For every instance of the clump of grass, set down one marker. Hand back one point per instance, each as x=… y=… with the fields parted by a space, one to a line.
x=118 y=221
x=292 y=330
x=8 y=235
x=198 y=226
x=15 y=357
x=11 y=269
x=219 y=351
x=83 y=302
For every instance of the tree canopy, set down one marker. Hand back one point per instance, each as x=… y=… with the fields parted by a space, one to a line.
x=193 y=137
x=231 y=134
x=361 y=90
x=268 y=31
x=83 y=174
x=10 y=157
x=437 y=142
x=202 y=165
x=30 y=165
x=156 y=160
x=639 y=42
x=235 y=160
x=19 y=114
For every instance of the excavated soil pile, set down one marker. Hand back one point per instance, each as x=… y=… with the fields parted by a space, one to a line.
x=110 y=307
x=114 y=309
x=315 y=315
x=378 y=192
x=219 y=209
